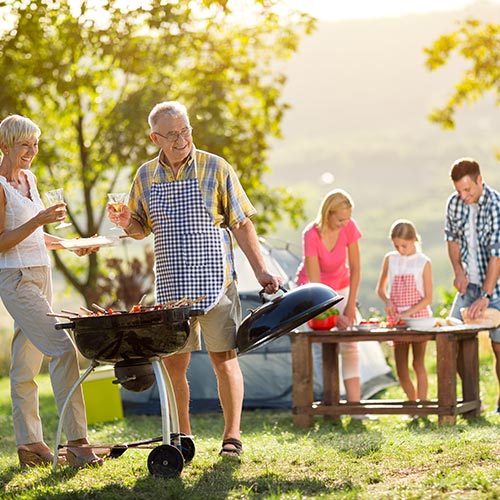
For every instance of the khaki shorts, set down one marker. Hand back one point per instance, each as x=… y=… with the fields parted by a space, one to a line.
x=219 y=325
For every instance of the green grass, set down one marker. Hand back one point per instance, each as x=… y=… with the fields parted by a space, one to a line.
x=389 y=458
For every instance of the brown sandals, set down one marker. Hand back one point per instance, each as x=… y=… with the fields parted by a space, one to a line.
x=28 y=458
x=231 y=447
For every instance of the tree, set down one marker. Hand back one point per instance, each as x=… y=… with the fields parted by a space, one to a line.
x=479 y=44
x=88 y=74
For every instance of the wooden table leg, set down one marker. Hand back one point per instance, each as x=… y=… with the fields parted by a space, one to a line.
x=446 y=350
x=302 y=380
x=468 y=359
x=331 y=386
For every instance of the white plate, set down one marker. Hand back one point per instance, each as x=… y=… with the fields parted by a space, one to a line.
x=367 y=327
x=420 y=323
x=96 y=241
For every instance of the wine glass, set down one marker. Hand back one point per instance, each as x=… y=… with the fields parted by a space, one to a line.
x=56 y=197
x=117 y=201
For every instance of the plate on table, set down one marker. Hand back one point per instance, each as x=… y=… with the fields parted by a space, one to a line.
x=96 y=241
x=421 y=323
x=366 y=327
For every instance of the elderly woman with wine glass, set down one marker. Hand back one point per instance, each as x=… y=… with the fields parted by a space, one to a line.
x=26 y=291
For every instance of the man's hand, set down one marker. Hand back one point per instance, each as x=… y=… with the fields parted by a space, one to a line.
x=269 y=282
x=478 y=307
x=121 y=218
x=461 y=282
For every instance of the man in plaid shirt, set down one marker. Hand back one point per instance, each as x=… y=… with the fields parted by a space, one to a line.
x=193 y=203
x=472 y=232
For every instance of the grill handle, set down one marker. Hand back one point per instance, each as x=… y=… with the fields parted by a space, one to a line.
x=263 y=292
x=64 y=326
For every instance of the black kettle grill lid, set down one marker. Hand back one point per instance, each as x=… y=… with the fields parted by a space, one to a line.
x=284 y=313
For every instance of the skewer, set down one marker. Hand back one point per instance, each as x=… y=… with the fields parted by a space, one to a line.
x=99 y=308
x=199 y=299
x=70 y=312
x=85 y=310
x=142 y=300
x=55 y=315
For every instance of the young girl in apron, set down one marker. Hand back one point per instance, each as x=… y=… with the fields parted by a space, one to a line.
x=405 y=287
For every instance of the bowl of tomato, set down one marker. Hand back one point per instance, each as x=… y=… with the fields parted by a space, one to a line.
x=324 y=321
x=367 y=325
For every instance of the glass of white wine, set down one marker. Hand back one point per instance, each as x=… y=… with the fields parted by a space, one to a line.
x=55 y=197
x=117 y=201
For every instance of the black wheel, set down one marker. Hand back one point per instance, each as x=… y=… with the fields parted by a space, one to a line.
x=187 y=447
x=165 y=461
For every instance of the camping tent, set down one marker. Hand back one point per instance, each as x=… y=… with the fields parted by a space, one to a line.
x=266 y=371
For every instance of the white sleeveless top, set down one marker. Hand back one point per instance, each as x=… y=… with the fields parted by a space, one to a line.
x=403 y=265
x=18 y=210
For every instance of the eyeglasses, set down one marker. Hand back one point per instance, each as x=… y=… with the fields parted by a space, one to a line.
x=173 y=136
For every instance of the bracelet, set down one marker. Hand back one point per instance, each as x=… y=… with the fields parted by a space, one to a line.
x=485 y=295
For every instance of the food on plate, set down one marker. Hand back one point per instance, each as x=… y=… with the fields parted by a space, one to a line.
x=93 y=241
x=396 y=324
x=490 y=317
x=448 y=321
x=368 y=324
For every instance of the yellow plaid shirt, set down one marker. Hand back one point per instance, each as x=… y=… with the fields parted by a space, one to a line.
x=225 y=199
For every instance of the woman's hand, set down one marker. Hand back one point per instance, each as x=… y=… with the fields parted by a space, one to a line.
x=390 y=310
x=84 y=251
x=49 y=215
x=348 y=316
x=344 y=322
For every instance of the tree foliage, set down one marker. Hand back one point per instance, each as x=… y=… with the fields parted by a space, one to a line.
x=89 y=72
x=479 y=44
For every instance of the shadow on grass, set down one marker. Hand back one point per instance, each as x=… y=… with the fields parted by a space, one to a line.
x=6 y=476
x=216 y=482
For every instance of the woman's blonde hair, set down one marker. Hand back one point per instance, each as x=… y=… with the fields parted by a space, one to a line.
x=405 y=230
x=16 y=128
x=335 y=200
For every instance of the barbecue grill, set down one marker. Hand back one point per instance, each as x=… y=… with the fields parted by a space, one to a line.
x=136 y=340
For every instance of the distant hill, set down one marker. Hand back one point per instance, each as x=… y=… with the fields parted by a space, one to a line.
x=360 y=97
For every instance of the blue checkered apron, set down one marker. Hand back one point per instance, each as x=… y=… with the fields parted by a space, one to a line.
x=189 y=255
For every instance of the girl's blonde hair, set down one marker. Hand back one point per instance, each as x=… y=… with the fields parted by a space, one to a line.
x=405 y=230
x=16 y=128
x=335 y=200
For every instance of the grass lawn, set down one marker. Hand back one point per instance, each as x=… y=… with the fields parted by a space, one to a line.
x=389 y=458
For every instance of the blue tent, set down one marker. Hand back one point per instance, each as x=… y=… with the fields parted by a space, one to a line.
x=267 y=371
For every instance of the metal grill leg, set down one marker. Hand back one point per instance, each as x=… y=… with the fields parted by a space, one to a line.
x=167 y=396
x=92 y=366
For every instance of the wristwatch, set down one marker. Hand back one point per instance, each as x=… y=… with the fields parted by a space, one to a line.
x=485 y=295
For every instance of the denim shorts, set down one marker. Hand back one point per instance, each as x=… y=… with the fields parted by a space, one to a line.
x=472 y=293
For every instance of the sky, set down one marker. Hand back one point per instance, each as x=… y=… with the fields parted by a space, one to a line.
x=350 y=9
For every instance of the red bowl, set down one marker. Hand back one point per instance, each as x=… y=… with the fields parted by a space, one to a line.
x=323 y=324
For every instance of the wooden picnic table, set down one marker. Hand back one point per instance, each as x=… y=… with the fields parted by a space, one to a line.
x=456 y=348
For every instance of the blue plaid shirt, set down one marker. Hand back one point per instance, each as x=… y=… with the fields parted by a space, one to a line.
x=225 y=199
x=487 y=226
